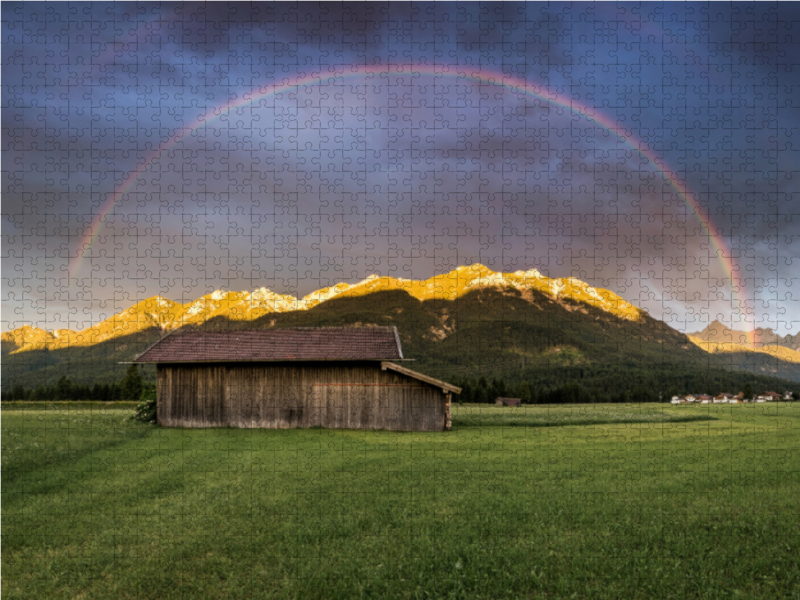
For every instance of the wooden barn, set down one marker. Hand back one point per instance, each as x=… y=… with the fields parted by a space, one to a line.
x=508 y=402
x=333 y=377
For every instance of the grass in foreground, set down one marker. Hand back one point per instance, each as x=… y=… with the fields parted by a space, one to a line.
x=636 y=505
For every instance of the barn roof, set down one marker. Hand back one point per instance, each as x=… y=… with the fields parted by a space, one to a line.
x=283 y=344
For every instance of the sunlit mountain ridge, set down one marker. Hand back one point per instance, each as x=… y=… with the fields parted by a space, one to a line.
x=779 y=352
x=470 y=320
x=168 y=315
x=759 y=338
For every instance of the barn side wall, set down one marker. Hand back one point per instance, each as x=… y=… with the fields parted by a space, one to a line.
x=281 y=396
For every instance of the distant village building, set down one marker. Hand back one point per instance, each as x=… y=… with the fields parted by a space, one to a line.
x=726 y=398
x=508 y=402
x=333 y=377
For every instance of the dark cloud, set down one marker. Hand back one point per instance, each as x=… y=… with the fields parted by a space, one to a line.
x=404 y=175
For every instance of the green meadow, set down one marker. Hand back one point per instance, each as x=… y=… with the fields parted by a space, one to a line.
x=580 y=501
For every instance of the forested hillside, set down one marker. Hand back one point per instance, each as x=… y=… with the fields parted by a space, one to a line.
x=547 y=339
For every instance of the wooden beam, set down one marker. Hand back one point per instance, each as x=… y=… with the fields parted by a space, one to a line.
x=446 y=387
x=397 y=341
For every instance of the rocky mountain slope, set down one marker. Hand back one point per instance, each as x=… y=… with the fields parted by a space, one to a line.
x=469 y=320
x=166 y=315
x=759 y=338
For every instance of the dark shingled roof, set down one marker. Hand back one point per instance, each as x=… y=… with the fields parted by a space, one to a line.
x=299 y=343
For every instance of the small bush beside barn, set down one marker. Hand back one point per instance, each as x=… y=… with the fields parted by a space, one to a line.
x=334 y=377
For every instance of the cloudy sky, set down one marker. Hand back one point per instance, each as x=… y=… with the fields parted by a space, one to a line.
x=177 y=149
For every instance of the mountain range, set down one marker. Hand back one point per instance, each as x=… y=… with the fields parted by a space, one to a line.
x=166 y=315
x=719 y=333
x=470 y=320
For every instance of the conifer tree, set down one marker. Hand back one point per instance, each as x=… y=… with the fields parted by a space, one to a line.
x=132 y=384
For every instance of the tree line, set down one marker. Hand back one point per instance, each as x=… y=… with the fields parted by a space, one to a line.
x=565 y=385
x=614 y=384
x=129 y=387
x=486 y=391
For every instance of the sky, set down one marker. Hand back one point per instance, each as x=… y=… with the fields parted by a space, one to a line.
x=178 y=149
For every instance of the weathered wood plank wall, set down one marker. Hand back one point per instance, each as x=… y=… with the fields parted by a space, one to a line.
x=287 y=395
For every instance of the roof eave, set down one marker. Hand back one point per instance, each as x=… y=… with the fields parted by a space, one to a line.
x=262 y=360
x=446 y=387
x=151 y=346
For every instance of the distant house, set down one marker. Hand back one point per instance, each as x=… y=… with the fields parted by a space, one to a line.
x=677 y=400
x=689 y=398
x=508 y=402
x=787 y=395
x=333 y=377
x=703 y=399
x=768 y=397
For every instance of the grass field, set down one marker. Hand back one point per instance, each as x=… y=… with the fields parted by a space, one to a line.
x=603 y=501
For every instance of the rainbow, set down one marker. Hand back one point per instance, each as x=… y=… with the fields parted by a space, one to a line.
x=476 y=76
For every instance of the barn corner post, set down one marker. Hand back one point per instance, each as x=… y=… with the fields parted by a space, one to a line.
x=448 y=421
